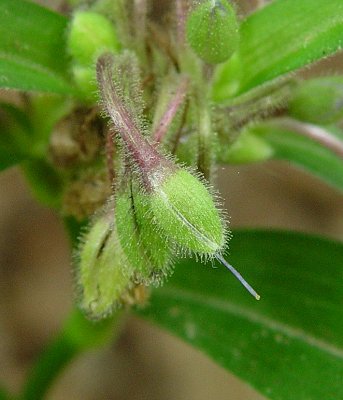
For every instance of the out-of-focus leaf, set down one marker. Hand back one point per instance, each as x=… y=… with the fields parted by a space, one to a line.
x=289 y=345
x=279 y=38
x=15 y=128
x=32 y=48
x=303 y=152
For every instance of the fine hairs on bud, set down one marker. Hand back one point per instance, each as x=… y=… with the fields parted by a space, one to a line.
x=181 y=205
x=101 y=284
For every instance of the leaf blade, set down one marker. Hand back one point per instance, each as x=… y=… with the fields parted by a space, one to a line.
x=289 y=345
x=279 y=38
x=32 y=56
x=303 y=152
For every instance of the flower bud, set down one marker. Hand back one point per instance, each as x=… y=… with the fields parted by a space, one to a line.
x=212 y=31
x=100 y=278
x=247 y=148
x=319 y=100
x=147 y=250
x=185 y=211
x=90 y=35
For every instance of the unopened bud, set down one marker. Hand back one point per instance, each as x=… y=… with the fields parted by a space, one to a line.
x=147 y=250
x=319 y=100
x=100 y=278
x=212 y=31
x=186 y=212
x=90 y=35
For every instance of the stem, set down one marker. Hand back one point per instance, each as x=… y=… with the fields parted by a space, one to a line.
x=172 y=109
x=314 y=132
x=123 y=121
x=77 y=336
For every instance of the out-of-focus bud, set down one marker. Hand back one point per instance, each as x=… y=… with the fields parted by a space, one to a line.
x=90 y=35
x=319 y=100
x=247 y=148
x=212 y=30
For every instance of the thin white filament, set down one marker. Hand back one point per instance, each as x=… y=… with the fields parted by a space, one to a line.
x=222 y=260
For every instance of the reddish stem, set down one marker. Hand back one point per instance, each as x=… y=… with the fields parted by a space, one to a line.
x=172 y=109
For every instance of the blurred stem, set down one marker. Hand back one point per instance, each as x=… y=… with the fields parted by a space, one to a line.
x=77 y=336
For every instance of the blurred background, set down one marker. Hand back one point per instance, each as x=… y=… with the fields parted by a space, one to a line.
x=146 y=363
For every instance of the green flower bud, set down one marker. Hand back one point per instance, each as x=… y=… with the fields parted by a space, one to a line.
x=147 y=250
x=101 y=261
x=247 y=148
x=186 y=212
x=212 y=31
x=84 y=78
x=90 y=35
x=319 y=100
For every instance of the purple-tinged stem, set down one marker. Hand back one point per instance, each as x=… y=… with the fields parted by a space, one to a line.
x=144 y=155
x=172 y=109
x=314 y=132
x=181 y=15
x=109 y=146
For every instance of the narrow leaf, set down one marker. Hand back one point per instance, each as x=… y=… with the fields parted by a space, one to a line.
x=14 y=140
x=279 y=38
x=32 y=43
x=289 y=345
x=304 y=152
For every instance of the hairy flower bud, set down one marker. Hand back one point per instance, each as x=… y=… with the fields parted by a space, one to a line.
x=186 y=212
x=212 y=31
x=182 y=207
x=100 y=263
x=319 y=100
x=147 y=250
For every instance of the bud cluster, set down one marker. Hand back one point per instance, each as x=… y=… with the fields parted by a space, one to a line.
x=159 y=209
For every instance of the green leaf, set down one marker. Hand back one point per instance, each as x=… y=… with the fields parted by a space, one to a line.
x=303 y=152
x=32 y=43
x=279 y=38
x=15 y=128
x=289 y=345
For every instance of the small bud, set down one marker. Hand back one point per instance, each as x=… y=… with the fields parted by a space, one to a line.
x=319 y=100
x=212 y=31
x=100 y=278
x=84 y=78
x=90 y=35
x=147 y=250
x=186 y=212
x=247 y=148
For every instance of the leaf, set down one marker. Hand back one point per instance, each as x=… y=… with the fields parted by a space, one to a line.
x=32 y=43
x=279 y=38
x=303 y=152
x=289 y=345
x=14 y=141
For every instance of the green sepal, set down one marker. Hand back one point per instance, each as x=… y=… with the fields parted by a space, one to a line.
x=147 y=250
x=100 y=279
x=186 y=212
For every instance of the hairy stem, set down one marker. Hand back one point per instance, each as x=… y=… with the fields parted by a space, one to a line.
x=172 y=108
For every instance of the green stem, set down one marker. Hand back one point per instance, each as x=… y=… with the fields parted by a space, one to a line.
x=77 y=336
